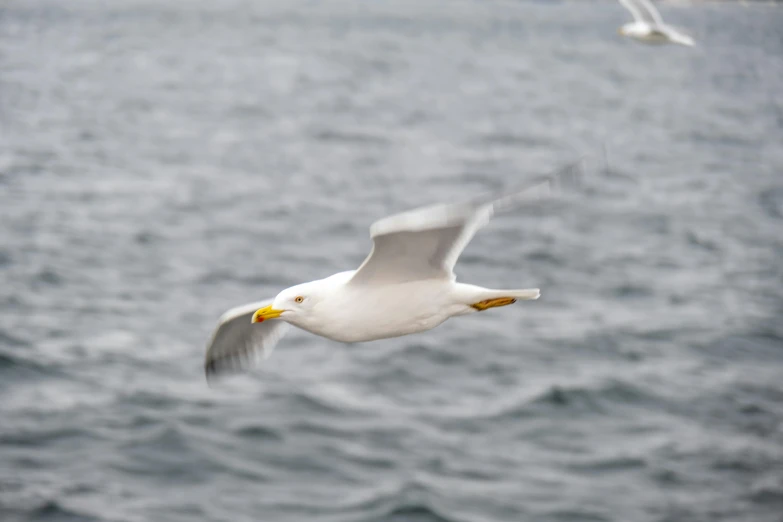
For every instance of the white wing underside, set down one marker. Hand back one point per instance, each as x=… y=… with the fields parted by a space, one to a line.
x=237 y=343
x=425 y=243
x=643 y=11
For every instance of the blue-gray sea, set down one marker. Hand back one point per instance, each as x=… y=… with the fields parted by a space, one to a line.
x=161 y=162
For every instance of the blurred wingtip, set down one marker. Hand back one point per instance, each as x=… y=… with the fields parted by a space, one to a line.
x=216 y=369
x=210 y=372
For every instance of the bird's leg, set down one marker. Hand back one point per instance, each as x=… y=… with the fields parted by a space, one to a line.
x=492 y=303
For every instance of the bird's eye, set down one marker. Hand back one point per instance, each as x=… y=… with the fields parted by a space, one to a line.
x=299 y=299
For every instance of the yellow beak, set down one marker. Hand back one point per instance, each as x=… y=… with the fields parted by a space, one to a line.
x=267 y=312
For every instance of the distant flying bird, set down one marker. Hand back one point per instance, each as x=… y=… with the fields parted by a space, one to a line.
x=406 y=285
x=648 y=26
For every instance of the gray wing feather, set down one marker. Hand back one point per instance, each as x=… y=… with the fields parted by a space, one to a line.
x=544 y=187
x=420 y=244
x=643 y=11
x=237 y=344
x=425 y=243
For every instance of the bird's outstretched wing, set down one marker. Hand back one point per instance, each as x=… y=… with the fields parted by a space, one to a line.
x=425 y=243
x=643 y=11
x=236 y=343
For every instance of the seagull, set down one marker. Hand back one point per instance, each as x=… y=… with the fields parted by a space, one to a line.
x=648 y=26
x=406 y=285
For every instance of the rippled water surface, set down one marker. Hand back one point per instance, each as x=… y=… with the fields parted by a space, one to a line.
x=163 y=161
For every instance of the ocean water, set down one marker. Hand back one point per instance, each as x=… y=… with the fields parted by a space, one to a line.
x=161 y=162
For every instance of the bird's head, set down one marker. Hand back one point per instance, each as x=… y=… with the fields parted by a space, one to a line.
x=291 y=305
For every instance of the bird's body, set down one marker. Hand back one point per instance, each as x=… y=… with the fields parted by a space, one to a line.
x=390 y=310
x=386 y=311
x=648 y=26
x=650 y=34
x=406 y=285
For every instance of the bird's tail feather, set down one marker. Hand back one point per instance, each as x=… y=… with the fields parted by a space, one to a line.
x=470 y=294
x=682 y=39
x=480 y=298
x=527 y=294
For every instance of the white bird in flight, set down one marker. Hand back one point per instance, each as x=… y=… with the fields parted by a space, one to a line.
x=406 y=285
x=648 y=26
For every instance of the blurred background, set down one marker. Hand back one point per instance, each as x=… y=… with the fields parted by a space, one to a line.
x=161 y=162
